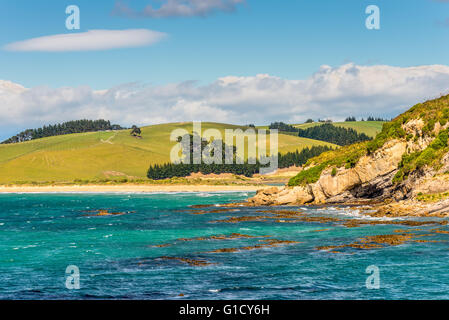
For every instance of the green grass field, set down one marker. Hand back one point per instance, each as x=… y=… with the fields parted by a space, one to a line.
x=370 y=128
x=104 y=155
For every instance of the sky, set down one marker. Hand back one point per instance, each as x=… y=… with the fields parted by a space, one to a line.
x=239 y=61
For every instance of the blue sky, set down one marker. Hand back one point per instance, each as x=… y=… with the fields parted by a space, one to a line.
x=263 y=61
x=289 y=39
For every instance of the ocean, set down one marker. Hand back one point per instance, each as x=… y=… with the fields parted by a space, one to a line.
x=157 y=246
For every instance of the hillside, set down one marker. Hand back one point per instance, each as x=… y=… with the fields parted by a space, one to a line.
x=407 y=160
x=100 y=155
x=370 y=128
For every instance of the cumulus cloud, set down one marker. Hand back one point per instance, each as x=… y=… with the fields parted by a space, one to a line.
x=89 y=41
x=332 y=92
x=178 y=8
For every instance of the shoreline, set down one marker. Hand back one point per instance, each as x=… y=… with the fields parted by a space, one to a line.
x=126 y=189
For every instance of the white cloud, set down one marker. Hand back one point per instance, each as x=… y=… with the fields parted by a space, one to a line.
x=329 y=93
x=179 y=8
x=89 y=41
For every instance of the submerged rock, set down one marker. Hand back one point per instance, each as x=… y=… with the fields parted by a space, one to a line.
x=190 y=262
x=103 y=212
x=264 y=244
x=376 y=242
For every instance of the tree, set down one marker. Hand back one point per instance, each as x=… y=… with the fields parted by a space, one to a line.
x=135 y=131
x=281 y=126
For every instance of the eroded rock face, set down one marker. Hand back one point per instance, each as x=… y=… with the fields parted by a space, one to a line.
x=264 y=197
x=382 y=162
x=282 y=196
x=414 y=127
x=344 y=180
x=370 y=177
x=432 y=185
x=445 y=164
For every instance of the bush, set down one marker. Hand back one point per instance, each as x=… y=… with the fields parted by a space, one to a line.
x=307 y=176
x=334 y=172
x=390 y=130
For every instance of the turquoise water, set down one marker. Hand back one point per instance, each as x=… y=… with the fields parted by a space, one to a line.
x=40 y=235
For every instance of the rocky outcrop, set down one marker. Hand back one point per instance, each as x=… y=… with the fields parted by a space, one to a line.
x=371 y=178
x=282 y=196
x=404 y=170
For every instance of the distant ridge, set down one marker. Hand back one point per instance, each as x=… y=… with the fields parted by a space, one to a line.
x=76 y=126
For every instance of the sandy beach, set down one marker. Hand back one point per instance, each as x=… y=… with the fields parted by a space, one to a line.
x=124 y=188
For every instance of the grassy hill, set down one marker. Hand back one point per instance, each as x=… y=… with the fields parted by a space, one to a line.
x=103 y=155
x=370 y=128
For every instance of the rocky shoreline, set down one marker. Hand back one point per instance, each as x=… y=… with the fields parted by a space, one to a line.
x=269 y=197
x=370 y=183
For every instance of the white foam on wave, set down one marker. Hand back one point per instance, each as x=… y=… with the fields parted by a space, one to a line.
x=25 y=247
x=204 y=195
x=356 y=213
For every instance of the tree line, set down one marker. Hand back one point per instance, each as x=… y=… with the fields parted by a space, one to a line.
x=370 y=118
x=170 y=170
x=325 y=132
x=336 y=135
x=76 y=126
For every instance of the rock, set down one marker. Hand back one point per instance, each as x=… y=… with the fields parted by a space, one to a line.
x=270 y=191
x=295 y=195
x=414 y=127
x=382 y=162
x=318 y=193
x=343 y=181
x=341 y=198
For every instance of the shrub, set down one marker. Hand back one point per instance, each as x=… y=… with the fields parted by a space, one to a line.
x=334 y=172
x=307 y=176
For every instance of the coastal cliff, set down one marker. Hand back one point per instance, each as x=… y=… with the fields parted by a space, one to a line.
x=407 y=161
